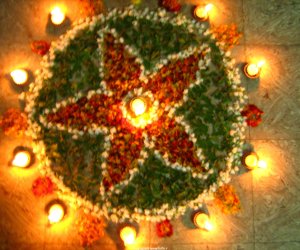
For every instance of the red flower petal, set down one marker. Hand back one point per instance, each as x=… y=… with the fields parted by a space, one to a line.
x=122 y=71
x=171 y=139
x=99 y=109
x=42 y=186
x=171 y=5
x=171 y=80
x=164 y=229
x=125 y=149
x=40 y=47
x=252 y=114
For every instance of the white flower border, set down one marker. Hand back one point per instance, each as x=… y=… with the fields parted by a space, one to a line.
x=164 y=212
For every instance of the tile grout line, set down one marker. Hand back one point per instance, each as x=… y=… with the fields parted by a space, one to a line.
x=272 y=242
x=253 y=226
x=274 y=139
x=45 y=228
x=271 y=44
x=249 y=133
x=244 y=49
x=149 y=228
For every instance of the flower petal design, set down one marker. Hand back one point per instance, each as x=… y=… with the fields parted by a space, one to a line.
x=122 y=156
x=118 y=78
x=253 y=115
x=173 y=143
x=192 y=95
x=164 y=228
x=86 y=112
x=171 y=80
x=40 y=47
x=169 y=137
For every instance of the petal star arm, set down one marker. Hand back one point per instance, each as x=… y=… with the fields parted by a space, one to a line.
x=171 y=80
x=122 y=156
x=118 y=78
x=86 y=112
x=172 y=142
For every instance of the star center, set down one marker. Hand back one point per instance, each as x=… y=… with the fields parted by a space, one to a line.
x=140 y=108
x=138 y=105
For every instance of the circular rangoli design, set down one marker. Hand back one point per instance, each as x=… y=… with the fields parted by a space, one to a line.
x=137 y=115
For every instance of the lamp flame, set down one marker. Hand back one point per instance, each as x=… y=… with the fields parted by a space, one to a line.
x=57 y=16
x=19 y=76
x=262 y=164
x=56 y=213
x=128 y=235
x=208 y=7
x=138 y=106
x=21 y=159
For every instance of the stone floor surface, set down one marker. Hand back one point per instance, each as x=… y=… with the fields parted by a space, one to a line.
x=270 y=218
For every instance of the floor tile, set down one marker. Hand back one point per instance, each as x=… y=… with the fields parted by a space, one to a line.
x=22 y=246
x=278 y=246
x=276 y=191
x=62 y=247
x=272 y=22
x=233 y=246
x=21 y=217
x=271 y=219
x=12 y=57
x=21 y=213
x=110 y=4
x=112 y=237
x=277 y=93
x=63 y=232
x=227 y=228
x=151 y=4
x=223 y=12
x=18 y=16
x=105 y=247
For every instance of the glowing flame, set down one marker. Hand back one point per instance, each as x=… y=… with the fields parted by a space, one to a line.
x=251 y=160
x=19 y=76
x=208 y=7
x=252 y=69
x=262 y=164
x=208 y=225
x=57 y=16
x=202 y=12
x=22 y=159
x=202 y=221
x=260 y=63
x=138 y=106
x=56 y=213
x=128 y=235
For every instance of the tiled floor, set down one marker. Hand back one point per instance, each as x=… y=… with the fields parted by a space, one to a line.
x=270 y=218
